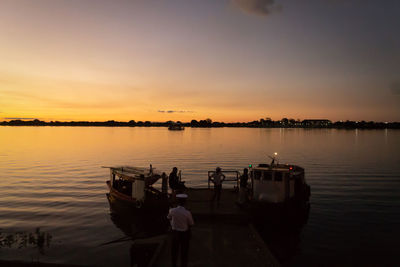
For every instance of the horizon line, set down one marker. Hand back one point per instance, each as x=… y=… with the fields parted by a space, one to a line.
x=25 y=119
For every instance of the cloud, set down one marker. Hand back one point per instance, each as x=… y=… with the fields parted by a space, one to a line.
x=258 y=7
x=19 y=118
x=175 y=111
x=395 y=88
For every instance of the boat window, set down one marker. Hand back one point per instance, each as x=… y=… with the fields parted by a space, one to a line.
x=268 y=176
x=278 y=176
x=257 y=175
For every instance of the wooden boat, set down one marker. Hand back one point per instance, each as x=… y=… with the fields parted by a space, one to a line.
x=133 y=186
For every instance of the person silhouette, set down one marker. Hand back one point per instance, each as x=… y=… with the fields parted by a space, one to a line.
x=217 y=178
x=243 y=186
x=174 y=182
x=181 y=221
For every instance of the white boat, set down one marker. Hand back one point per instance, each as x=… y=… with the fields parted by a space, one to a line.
x=273 y=190
x=278 y=183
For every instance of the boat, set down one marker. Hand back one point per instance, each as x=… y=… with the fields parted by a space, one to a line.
x=133 y=187
x=274 y=190
x=176 y=127
x=280 y=189
x=278 y=184
x=278 y=192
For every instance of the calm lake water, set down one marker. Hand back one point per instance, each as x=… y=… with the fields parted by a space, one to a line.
x=51 y=178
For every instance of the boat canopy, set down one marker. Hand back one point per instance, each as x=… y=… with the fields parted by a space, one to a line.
x=132 y=174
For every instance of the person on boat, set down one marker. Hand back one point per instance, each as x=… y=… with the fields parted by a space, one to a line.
x=217 y=178
x=174 y=181
x=243 y=186
x=181 y=221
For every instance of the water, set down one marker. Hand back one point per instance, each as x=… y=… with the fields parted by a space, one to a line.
x=51 y=178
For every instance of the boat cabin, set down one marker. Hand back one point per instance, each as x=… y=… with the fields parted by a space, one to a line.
x=131 y=183
x=276 y=183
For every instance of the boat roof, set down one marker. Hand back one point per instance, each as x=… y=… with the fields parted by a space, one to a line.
x=278 y=167
x=270 y=169
x=133 y=173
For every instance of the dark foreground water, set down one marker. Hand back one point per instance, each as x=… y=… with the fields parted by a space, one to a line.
x=53 y=206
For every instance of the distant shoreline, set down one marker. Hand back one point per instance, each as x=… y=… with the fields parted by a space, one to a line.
x=284 y=123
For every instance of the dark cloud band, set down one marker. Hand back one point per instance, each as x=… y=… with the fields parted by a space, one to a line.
x=19 y=118
x=175 y=111
x=258 y=7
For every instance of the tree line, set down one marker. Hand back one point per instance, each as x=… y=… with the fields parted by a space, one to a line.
x=207 y=123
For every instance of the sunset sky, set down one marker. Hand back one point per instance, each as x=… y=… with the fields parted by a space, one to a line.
x=237 y=60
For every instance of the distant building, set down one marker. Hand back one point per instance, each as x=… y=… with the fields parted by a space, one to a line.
x=316 y=123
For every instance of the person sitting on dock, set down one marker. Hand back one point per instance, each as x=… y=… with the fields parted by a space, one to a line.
x=217 y=178
x=243 y=186
x=174 y=181
x=181 y=220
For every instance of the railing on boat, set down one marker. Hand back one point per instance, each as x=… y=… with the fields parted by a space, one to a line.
x=236 y=176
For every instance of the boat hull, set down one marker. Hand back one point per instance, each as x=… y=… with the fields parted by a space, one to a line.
x=291 y=212
x=294 y=210
x=154 y=201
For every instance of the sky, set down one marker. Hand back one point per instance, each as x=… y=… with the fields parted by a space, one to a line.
x=231 y=60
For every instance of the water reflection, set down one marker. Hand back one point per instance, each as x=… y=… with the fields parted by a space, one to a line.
x=37 y=239
x=146 y=230
x=283 y=236
x=136 y=223
x=51 y=178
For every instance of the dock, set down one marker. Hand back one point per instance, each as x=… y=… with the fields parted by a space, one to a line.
x=222 y=235
x=200 y=204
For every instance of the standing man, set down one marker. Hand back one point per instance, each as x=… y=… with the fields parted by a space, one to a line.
x=217 y=178
x=181 y=220
x=243 y=186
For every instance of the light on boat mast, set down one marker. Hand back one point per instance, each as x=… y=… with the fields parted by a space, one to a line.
x=273 y=158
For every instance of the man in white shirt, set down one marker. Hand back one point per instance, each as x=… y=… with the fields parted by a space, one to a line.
x=181 y=220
